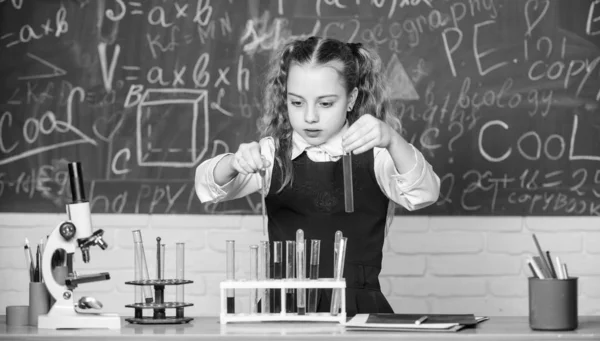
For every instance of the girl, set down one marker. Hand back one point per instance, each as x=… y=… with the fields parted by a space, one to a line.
x=323 y=98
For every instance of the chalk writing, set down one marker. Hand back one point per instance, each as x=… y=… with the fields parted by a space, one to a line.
x=28 y=33
x=500 y=96
x=592 y=27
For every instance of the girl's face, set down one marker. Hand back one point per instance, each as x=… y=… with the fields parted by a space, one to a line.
x=317 y=102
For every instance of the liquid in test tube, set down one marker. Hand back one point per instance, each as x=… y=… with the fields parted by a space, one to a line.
x=265 y=274
x=146 y=289
x=180 y=275
x=277 y=274
x=290 y=272
x=313 y=273
x=254 y=277
x=230 y=248
x=348 y=190
x=301 y=271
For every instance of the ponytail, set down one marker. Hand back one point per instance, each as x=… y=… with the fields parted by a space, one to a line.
x=372 y=88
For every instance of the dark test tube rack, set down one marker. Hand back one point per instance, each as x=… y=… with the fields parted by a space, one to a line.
x=159 y=307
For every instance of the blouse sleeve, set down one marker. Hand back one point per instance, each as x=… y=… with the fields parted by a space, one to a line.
x=240 y=186
x=415 y=189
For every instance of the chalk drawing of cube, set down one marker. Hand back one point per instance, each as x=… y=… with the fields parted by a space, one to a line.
x=172 y=127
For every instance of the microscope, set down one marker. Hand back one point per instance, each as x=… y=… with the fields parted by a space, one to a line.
x=69 y=235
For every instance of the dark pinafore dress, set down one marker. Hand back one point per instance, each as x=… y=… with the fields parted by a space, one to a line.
x=315 y=203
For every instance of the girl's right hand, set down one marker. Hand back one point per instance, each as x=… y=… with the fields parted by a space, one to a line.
x=248 y=159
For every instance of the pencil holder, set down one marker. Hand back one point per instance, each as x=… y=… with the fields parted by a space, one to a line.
x=553 y=304
x=17 y=315
x=39 y=301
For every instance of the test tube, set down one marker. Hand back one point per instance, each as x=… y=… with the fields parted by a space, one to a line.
x=230 y=246
x=180 y=275
x=301 y=270
x=339 y=272
x=263 y=195
x=348 y=191
x=335 y=293
x=138 y=272
x=277 y=274
x=146 y=290
x=158 y=259
x=180 y=271
x=313 y=273
x=159 y=291
x=253 y=277
x=290 y=273
x=265 y=275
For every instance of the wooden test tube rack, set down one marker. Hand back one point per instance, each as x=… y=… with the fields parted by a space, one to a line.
x=321 y=283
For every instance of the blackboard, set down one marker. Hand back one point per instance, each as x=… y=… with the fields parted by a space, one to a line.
x=501 y=96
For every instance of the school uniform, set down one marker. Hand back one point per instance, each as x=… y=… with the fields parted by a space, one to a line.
x=315 y=204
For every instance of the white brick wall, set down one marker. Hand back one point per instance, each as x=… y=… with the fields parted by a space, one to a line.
x=431 y=264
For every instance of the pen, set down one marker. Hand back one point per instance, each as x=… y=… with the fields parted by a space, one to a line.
x=550 y=265
x=421 y=320
x=28 y=259
x=38 y=263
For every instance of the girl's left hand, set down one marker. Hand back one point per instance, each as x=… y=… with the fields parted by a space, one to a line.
x=367 y=132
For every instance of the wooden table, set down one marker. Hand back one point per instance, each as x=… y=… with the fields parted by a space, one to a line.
x=208 y=328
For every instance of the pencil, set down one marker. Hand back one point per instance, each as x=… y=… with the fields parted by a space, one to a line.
x=29 y=256
x=551 y=266
x=28 y=260
x=532 y=269
x=559 y=270
x=536 y=269
x=543 y=261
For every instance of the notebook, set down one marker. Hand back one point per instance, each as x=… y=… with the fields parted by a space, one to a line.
x=407 y=322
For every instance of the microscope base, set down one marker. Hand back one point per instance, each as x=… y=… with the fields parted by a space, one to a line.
x=80 y=321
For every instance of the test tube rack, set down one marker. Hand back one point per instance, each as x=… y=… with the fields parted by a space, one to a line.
x=321 y=283
x=159 y=306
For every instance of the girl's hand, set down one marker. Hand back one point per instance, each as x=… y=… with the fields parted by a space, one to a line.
x=248 y=159
x=367 y=132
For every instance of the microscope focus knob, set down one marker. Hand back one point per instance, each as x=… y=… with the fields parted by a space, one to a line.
x=67 y=230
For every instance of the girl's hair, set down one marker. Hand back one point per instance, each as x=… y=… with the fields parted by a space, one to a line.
x=361 y=68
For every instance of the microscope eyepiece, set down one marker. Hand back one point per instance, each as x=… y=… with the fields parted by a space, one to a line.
x=76 y=180
x=101 y=243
